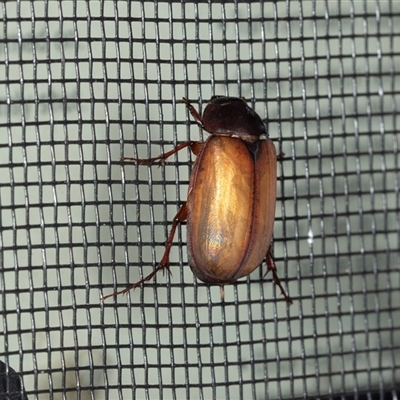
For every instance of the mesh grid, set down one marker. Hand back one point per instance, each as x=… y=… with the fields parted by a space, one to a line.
x=84 y=83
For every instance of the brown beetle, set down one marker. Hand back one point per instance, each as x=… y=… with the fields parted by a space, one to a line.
x=230 y=209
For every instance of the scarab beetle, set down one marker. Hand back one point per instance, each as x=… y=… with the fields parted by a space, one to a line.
x=230 y=208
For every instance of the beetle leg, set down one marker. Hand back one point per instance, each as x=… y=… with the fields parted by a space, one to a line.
x=196 y=147
x=272 y=267
x=193 y=145
x=164 y=263
x=280 y=156
x=193 y=111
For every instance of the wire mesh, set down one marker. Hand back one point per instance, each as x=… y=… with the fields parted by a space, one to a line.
x=84 y=83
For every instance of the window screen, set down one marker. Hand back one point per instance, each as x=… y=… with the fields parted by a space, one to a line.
x=85 y=83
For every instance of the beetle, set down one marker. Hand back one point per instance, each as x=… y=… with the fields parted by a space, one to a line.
x=230 y=208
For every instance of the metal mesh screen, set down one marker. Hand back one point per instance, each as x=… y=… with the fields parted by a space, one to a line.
x=84 y=83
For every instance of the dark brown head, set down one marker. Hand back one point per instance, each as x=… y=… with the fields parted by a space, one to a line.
x=232 y=116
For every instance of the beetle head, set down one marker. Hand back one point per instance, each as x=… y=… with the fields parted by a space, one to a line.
x=232 y=116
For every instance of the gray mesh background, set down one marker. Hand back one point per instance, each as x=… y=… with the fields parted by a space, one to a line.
x=84 y=83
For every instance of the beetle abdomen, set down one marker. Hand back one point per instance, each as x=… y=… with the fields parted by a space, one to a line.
x=231 y=208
